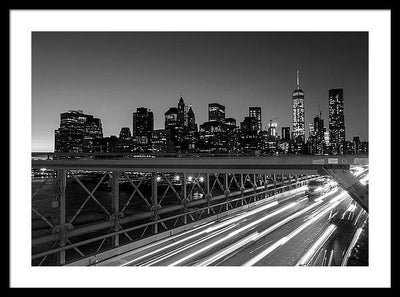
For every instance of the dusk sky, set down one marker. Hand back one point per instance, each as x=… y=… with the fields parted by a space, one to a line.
x=110 y=74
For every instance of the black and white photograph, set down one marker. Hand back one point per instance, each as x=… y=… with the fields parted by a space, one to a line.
x=171 y=146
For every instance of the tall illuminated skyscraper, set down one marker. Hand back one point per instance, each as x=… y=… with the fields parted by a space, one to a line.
x=181 y=112
x=77 y=131
x=285 y=133
x=298 y=112
x=337 y=135
x=255 y=112
x=143 y=125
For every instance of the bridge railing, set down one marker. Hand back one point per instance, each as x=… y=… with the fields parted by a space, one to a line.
x=53 y=155
x=83 y=216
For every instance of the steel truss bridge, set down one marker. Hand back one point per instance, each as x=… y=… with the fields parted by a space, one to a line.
x=168 y=194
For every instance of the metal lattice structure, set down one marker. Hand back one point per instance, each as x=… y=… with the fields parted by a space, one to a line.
x=125 y=201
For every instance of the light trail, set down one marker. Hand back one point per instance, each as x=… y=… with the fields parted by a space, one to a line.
x=351 y=246
x=228 y=250
x=245 y=215
x=358 y=216
x=230 y=235
x=262 y=234
x=138 y=250
x=188 y=246
x=272 y=228
x=208 y=230
x=211 y=229
x=364 y=180
x=317 y=245
x=330 y=259
x=301 y=200
x=165 y=247
x=326 y=195
x=285 y=239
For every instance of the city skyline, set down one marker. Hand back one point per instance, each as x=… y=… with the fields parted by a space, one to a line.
x=92 y=93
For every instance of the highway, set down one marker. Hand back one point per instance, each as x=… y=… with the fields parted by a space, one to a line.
x=291 y=231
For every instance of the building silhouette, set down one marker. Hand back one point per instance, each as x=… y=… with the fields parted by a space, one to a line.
x=180 y=128
x=82 y=133
x=77 y=132
x=143 y=126
x=316 y=140
x=256 y=113
x=273 y=129
x=191 y=120
x=337 y=135
x=216 y=112
x=181 y=113
x=172 y=129
x=285 y=136
x=125 y=133
x=298 y=112
x=125 y=143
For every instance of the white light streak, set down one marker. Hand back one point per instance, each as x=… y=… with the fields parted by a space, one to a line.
x=232 y=234
x=228 y=250
x=351 y=246
x=285 y=239
x=181 y=249
x=317 y=245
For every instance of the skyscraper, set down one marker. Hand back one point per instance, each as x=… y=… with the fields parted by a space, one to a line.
x=125 y=133
x=286 y=133
x=316 y=142
x=181 y=112
x=77 y=130
x=249 y=124
x=298 y=112
x=256 y=113
x=191 y=121
x=216 y=112
x=273 y=129
x=143 y=125
x=172 y=129
x=124 y=142
x=337 y=135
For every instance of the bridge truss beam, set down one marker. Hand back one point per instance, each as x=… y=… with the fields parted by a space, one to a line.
x=206 y=188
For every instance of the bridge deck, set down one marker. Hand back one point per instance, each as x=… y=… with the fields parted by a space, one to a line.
x=274 y=165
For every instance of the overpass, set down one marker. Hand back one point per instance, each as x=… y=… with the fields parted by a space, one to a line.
x=206 y=188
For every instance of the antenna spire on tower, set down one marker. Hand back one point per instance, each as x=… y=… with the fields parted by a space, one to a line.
x=298 y=79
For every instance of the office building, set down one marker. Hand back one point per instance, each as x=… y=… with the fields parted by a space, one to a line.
x=337 y=135
x=298 y=112
x=216 y=112
x=143 y=126
x=285 y=134
x=77 y=132
x=256 y=113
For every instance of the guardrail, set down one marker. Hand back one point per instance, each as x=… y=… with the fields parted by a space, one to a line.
x=65 y=236
x=55 y=155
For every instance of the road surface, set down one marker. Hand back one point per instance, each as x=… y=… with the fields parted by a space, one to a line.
x=291 y=231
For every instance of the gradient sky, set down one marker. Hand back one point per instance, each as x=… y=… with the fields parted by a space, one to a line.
x=110 y=74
